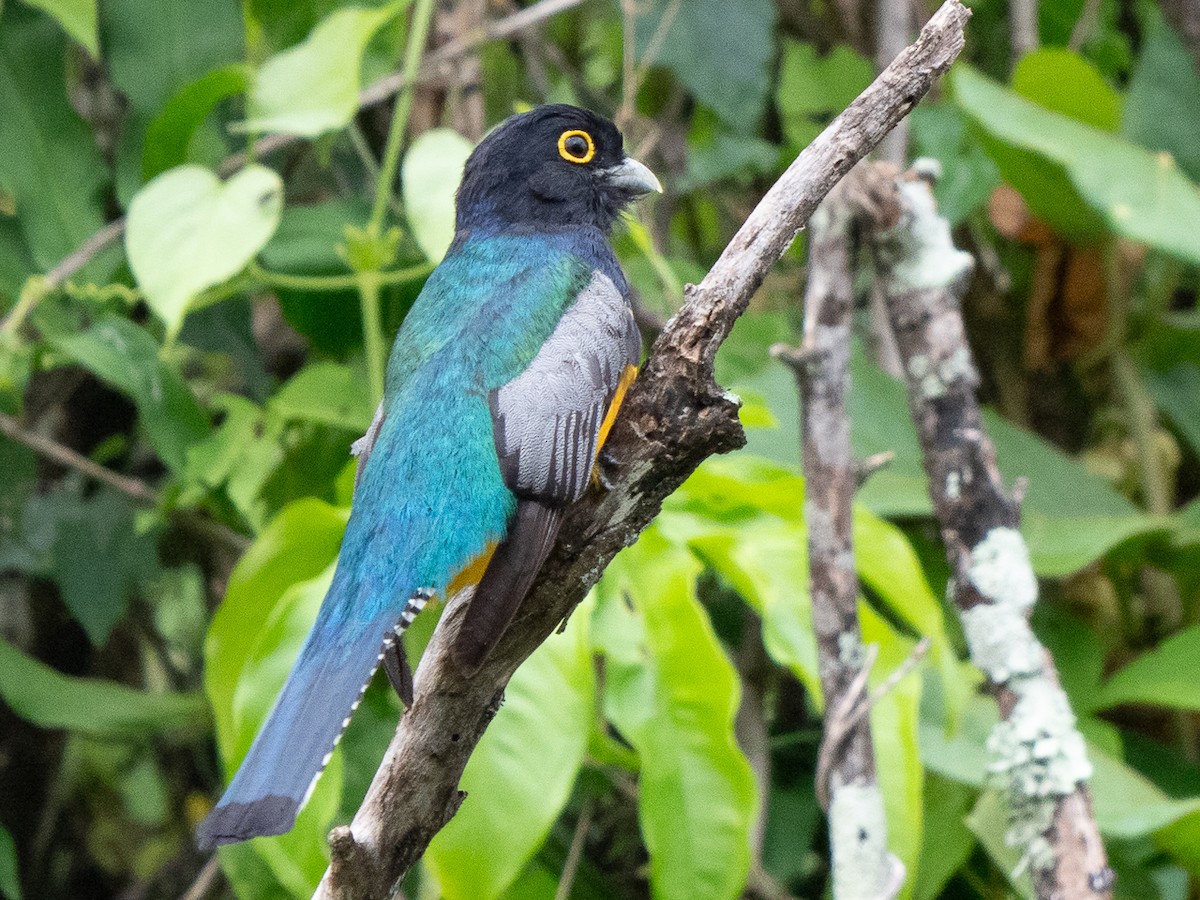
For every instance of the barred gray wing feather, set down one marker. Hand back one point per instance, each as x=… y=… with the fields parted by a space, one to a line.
x=547 y=420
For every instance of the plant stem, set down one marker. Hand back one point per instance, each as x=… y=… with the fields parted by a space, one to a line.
x=369 y=285
x=417 y=35
x=349 y=281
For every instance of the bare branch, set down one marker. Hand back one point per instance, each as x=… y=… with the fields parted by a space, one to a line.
x=674 y=417
x=1038 y=753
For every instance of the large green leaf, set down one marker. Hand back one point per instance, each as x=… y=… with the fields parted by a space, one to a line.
x=520 y=776
x=154 y=50
x=895 y=721
x=77 y=18
x=1135 y=193
x=672 y=693
x=313 y=87
x=433 y=167
x=49 y=163
x=813 y=88
x=1063 y=81
x=947 y=842
x=188 y=231
x=296 y=546
x=1163 y=105
x=328 y=393
x=1165 y=676
x=1127 y=804
x=10 y=880
x=127 y=357
x=721 y=52
x=170 y=135
x=939 y=130
x=1177 y=393
x=49 y=699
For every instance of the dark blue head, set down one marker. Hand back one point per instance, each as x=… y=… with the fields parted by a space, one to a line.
x=553 y=166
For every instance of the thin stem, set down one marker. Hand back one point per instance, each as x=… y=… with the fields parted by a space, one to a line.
x=574 y=854
x=417 y=36
x=321 y=283
x=369 y=294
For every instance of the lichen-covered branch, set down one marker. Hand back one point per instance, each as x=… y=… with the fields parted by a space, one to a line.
x=674 y=417
x=1038 y=755
x=846 y=782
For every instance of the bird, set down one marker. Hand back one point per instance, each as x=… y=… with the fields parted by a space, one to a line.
x=501 y=387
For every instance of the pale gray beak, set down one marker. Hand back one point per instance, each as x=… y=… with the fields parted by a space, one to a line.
x=630 y=175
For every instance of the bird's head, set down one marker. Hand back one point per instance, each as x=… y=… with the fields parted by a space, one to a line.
x=554 y=165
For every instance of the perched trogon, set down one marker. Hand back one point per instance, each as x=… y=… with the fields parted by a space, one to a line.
x=501 y=387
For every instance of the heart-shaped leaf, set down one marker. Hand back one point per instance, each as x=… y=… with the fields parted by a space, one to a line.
x=433 y=168
x=313 y=87
x=187 y=231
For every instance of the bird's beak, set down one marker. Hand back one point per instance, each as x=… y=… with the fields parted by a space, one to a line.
x=632 y=176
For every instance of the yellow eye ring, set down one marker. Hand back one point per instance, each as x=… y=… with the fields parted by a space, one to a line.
x=573 y=157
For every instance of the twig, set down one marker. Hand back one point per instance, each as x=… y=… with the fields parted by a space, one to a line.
x=1023 y=27
x=136 y=490
x=673 y=418
x=206 y=878
x=65 y=456
x=1037 y=752
x=376 y=93
x=893 y=21
x=574 y=853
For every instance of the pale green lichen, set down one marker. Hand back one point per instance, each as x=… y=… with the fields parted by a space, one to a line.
x=1039 y=757
x=1001 y=642
x=858 y=839
x=934 y=378
x=922 y=249
x=953 y=486
x=1001 y=571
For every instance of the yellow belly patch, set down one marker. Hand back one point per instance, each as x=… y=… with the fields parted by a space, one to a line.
x=471 y=575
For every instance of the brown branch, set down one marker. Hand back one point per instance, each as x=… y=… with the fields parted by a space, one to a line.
x=1038 y=754
x=846 y=783
x=674 y=417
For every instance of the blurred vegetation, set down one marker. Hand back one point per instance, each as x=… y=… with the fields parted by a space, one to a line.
x=223 y=358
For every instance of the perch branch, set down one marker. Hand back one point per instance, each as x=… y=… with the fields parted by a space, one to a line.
x=674 y=417
x=1038 y=755
x=846 y=784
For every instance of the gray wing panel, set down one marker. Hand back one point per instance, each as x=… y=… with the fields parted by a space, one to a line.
x=547 y=420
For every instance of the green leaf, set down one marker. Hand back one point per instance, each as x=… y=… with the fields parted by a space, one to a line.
x=1177 y=393
x=169 y=136
x=49 y=699
x=77 y=18
x=1127 y=804
x=520 y=776
x=10 y=880
x=188 y=231
x=298 y=545
x=153 y=52
x=328 y=393
x=1064 y=82
x=947 y=842
x=313 y=87
x=939 y=130
x=1163 y=104
x=895 y=721
x=721 y=52
x=813 y=89
x=433 y=167
x=1134 y=193
x=989 y=822
x=49 y=162
x=1165 y=676
x=673 y=694
x=126 y=357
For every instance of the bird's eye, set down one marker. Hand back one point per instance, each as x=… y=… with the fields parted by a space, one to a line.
x=576 y=146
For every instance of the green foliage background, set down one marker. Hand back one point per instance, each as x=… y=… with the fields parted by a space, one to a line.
x=222 y=358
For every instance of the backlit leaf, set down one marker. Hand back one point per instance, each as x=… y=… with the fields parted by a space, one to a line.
x=432 y=169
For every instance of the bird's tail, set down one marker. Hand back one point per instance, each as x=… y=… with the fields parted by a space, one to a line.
x=324 y=688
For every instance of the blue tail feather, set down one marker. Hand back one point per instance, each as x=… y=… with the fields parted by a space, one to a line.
x=308 y=719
